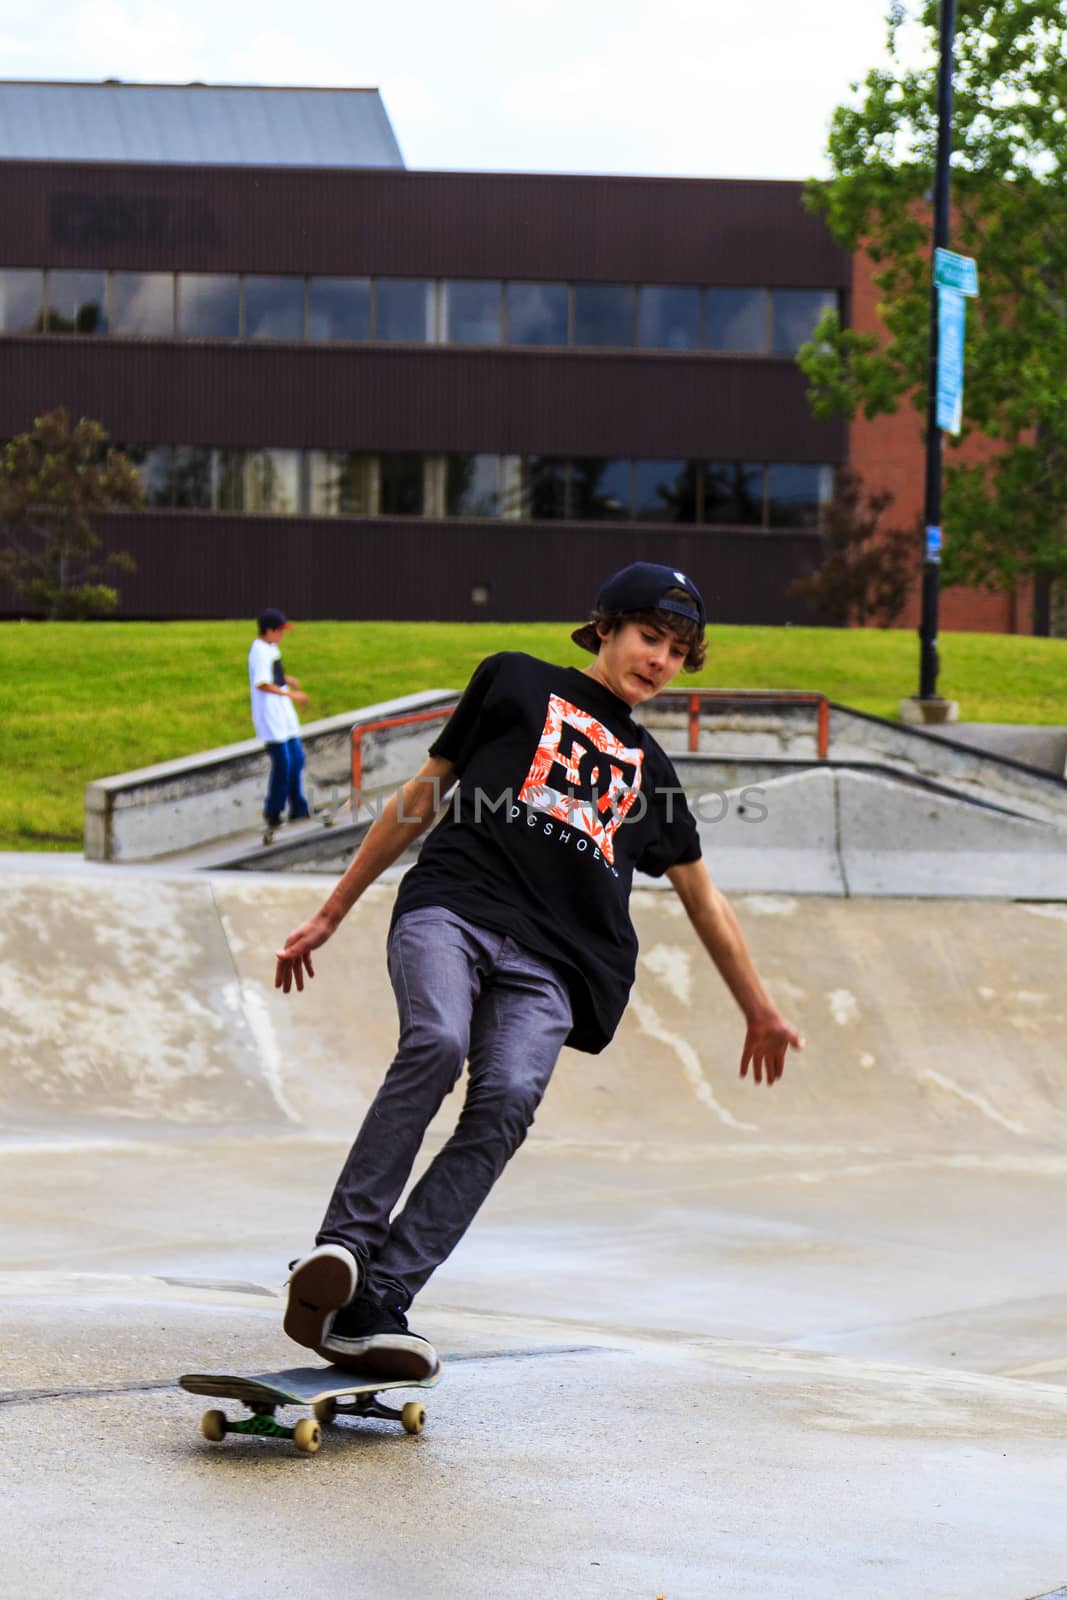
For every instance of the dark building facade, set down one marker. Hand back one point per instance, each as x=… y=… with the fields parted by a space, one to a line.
x=372 y=393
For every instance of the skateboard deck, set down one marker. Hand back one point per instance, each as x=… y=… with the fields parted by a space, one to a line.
x=326 y=816
x=329 y=1391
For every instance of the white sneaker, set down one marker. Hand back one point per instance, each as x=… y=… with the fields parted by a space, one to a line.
x=320 y=1284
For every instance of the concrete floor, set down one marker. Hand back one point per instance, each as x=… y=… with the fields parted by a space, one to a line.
x=704 y=1340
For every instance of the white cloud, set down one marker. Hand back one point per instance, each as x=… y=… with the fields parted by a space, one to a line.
x=279 y=58
x=105 y=39
x=697 y=87
x=419 y=107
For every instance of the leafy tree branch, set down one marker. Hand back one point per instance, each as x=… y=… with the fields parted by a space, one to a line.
x=1004 y=517
x=54 y=482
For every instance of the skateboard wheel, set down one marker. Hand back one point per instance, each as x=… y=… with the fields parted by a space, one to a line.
x=413 y=1417
x=325 y=1410
x=213 y=1426
x=307 y=1436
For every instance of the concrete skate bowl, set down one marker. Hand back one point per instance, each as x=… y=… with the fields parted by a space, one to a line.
x=144 y=1002
x=842 y=1299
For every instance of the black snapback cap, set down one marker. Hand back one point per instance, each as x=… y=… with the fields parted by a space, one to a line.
x=643 y=586
x=271 y=618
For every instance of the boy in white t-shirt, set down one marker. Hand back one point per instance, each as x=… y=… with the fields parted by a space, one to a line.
x=275 y=697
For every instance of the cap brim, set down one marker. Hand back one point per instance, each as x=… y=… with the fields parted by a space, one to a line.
x=587 y=637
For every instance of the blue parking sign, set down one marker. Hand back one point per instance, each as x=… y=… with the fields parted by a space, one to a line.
x=951 y=328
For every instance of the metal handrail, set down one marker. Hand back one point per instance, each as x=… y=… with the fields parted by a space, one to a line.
x=694 y=700
x=378 y=727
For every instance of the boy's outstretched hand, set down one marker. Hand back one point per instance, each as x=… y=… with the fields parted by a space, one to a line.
x=766 y=1042
x=294 y=958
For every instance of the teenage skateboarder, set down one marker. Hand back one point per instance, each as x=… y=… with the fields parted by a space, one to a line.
x=510 y=937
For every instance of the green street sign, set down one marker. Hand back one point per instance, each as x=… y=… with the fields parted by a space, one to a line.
x=955 y=272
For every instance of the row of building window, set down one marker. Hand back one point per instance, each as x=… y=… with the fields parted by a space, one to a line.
x=407 y=484
x=198 y=305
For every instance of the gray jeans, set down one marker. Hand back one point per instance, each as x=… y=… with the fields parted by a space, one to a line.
x=462 y=993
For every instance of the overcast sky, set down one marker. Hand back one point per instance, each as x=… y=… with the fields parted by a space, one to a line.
x=700 y=88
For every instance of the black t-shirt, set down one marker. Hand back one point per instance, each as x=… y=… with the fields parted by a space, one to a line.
x=562 y=795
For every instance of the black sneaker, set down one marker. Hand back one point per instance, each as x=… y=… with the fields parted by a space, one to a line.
x=368 y=1336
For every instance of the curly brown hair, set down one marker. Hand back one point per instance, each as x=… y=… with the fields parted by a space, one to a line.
x=688 y=632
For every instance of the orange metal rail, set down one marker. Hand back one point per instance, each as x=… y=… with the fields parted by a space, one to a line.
x=442 y=712
x=696 y=699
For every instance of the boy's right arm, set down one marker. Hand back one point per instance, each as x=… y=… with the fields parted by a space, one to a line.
x=403 y=818
x=296 y=694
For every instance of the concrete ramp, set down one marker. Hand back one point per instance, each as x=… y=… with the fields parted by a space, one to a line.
x=841 y=1302
x=840 y=831
x=149 y=1002
x=120 y=1002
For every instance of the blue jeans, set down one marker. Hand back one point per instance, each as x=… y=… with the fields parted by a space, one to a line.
x=286 y=781
x=462 y=993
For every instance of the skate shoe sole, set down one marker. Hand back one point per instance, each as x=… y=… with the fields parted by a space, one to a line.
x=318 y=1287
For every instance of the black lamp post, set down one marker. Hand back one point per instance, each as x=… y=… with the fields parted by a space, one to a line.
x=928 y=656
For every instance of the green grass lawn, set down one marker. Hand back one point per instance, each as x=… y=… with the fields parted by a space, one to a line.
x=85 y=700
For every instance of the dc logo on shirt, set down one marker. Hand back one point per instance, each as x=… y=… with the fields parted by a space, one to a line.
x=582 y=774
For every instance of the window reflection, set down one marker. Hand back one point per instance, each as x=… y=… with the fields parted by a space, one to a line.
x=227 y=480
x=665 y=491
x=142 y=303
x=531 y=488
x=404 y=310
x=274 y=308
x=339 y=308
x=208 y=305
x=600 y=489
x=795 y=314
x=340 y=483
x=537 y=313
x=402 y=488
x=796 y=494
x=735 y=319
x=77 y=302
x=155 y=466
x=470 y=312
x=191 y=477
x=511 y=487
x=472 y=486
x=733 y=492
x=535 y=488
x=668 y=319
x=272 y=481
x=21 y=300
x=604 y=313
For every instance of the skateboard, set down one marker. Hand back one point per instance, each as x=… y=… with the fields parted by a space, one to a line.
x=326 y=816
x=329 y=1391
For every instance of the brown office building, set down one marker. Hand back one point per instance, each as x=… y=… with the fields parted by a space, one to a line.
x=358 y=391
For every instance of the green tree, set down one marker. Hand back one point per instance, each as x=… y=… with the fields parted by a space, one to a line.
x=867 y=571
x=1005 y=518
x=54 y=481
